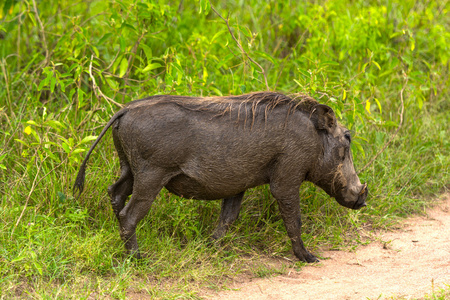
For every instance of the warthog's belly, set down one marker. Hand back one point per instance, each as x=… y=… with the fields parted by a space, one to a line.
x=187 y=187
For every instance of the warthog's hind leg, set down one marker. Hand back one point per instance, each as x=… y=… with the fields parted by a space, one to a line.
x=228 y=214
x=121 y=189
x=147 y=185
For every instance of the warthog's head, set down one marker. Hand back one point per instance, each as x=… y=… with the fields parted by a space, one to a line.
x=334 y=171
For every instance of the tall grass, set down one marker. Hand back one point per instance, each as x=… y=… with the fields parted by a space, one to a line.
x=354 y=57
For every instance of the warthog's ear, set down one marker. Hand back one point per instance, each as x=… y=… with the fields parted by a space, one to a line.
x=323 y=118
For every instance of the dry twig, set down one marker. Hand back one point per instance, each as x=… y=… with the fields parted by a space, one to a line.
x=44 y=41
x=8 y=92
x=239 y=45
x=402 y=108
x=98 y=92
x=133 y=53
x=33 y=186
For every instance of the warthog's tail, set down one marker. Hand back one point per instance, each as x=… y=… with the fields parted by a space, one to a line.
x=79 y=181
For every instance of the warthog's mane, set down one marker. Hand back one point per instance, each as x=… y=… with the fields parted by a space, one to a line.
x=244 y=106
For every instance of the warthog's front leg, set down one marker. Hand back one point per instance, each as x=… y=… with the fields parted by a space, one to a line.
x=289 y=204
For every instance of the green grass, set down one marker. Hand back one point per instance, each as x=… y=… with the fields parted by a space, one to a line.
x=353 y=57
x=435 y=294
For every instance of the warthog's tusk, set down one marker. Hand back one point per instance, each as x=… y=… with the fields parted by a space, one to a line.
x=363 y=190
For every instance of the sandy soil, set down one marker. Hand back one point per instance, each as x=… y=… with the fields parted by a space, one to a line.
x=408 y=262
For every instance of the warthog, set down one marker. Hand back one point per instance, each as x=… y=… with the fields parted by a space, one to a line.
x=218 y=147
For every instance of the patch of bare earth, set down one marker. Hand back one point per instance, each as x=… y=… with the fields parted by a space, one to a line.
x=409 y=262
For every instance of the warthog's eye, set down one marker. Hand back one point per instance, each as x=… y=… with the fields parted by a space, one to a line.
x=348 y=136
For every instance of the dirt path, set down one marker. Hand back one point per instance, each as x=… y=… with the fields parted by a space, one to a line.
x=408 y=262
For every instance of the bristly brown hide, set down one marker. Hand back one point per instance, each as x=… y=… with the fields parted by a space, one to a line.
x=269 y=100
x=247 y=105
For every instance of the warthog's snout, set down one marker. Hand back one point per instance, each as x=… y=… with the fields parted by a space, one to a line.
x=361 y=202
x=354 y=197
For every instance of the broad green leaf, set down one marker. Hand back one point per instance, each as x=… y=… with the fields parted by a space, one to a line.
x=151 y=67
x=205 y=74
x=364 y=67
x=266 y=56
x=129 y=26
x=202 y=4
x=224 y=60
x=55 y=124
x=304 y=72
x=217 y=91
x=123 y=67
x=7 y=5
x=361 y=138
x=22 y=142
x=207 y=7
x=116 y=63
x=42 y=84
x=105 y=37
x=31 y=16
x=38 y=267
x=112 y=83
x=80 y=97
x=376 y=64
x=388 y=124
x=217 y=35
x=122 y=44
x=378 y=104
x=338 y=113
x=64 y=140
x=359 y=147
x=31 y=122
x=36 y=136
x=27 y=66
x=95 y=50
x=71 y=93
x=328 y=63
x=420 y=101
x=395 y=34
x=52 y=84
x=31 y=163
x=65 y=147
x=88 y=139
x=148 y=52
x=245 y=31
x=368 y=107
x=78 y=150
x=389 y=71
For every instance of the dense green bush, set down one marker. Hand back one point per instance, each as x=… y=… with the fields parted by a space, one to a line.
x=67 y=66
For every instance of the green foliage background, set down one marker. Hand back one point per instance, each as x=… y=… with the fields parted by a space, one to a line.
x=369 y=60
